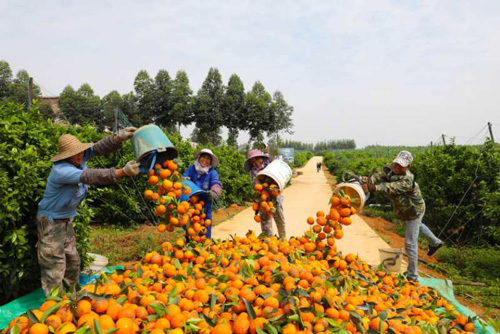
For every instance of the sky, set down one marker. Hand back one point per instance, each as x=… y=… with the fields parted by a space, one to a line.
x=378 y=72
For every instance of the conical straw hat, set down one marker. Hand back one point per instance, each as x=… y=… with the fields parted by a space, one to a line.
x=68 y=145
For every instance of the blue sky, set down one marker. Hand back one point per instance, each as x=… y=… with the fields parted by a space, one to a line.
x=386 y=72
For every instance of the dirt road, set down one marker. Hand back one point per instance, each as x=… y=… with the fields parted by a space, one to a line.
x=308 y=193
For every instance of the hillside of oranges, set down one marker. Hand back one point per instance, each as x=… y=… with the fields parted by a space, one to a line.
x=249 y=284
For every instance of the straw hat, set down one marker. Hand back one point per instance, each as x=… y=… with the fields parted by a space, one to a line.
x=254 y=154
x=68 y=145
x=215 y=160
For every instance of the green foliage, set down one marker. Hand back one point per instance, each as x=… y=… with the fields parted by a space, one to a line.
x=208 y=108
x=297 y=145
x=457 y=182
x=145 y=97
x=235 y=180
x=341 y=144
x=182 y=99
x=26 y=147
x=258 y=103
x=81 y=106
x=476 y=263
x=301 y=158
x=235 y=108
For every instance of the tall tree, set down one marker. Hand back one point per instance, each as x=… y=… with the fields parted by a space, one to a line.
x=145 y=93
x=281 y=115
x=258 y=103
x=18 y=90
x=208 y=108
x=5 y=79
x=109 y=104
x=234 y=112
x=163 y=99
x=182 y=98
x=129 y=108
x=81 y=106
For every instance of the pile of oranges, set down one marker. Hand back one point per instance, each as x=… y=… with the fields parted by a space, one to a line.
x=253 y=285
x=167 y=190
x=263 y=202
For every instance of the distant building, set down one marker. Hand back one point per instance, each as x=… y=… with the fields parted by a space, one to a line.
x=52 y=101
x=286 y=154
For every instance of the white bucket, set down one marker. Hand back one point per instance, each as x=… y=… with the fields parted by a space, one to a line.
x=391 y=258
x=355 y=192
x=99 y=262
x=279 y=171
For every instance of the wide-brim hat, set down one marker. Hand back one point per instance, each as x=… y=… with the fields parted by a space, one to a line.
x=68 y=145
x=215 y=160
x=254 y=154
x=404 y=159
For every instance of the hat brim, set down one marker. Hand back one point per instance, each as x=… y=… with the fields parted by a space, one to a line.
x=77 y=149
x=248 y=166
x=215 y=160
x=401 y=162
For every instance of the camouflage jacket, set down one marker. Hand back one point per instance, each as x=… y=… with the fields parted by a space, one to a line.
x=403 y=191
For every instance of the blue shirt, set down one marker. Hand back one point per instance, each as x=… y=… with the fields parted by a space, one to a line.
x=205 y=182
x=64 y=191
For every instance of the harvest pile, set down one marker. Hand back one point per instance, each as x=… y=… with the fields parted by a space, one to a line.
x=250 y=285
x=172 y=205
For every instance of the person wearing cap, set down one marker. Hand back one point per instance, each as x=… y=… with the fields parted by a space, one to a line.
x=204 y=175
x=66 y=187
x=399 y=184
x=257 y=161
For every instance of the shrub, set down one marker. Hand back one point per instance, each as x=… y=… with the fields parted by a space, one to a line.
x=301 y=158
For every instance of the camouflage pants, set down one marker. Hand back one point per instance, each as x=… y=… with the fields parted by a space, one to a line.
x=57 y=254
x=279 y=219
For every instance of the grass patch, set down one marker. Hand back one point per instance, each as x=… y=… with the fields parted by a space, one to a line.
x=122 y=245
x=477 y=265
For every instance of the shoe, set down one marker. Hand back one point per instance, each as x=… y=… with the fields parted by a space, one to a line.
x=433 y=249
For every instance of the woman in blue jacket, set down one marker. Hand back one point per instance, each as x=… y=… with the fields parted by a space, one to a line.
x=204 y=175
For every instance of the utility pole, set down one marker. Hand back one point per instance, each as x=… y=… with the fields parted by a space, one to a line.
x=491 y=131
x=30 y=93
x=444 y=141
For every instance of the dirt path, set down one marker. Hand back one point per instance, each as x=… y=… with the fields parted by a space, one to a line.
x=308 y=193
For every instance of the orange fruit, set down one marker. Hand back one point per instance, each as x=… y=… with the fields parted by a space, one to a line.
x=241 y=325
x=53 y=320
x=39 y=329
x=125 y=326
x=222 y=329
x=101 y=306
x=106 y=322
x=66 y=327
x=83 y=308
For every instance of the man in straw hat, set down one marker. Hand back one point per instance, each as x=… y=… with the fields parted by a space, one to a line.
x=257 y=161
x=66 y=187
x=398 y=182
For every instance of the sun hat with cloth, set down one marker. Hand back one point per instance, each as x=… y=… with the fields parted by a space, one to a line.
x=254 y=154
x=68 y=145
x=215 y=160
x=404 y=159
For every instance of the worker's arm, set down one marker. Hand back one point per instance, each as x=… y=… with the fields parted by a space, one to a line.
x=111 y=143
x=104 y=176
x=379 y=177
x=402 y=186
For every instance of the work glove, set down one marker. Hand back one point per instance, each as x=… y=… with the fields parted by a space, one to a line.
x=212 y=195
x=127 y=133
x=132 y=168
x=368 y=187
